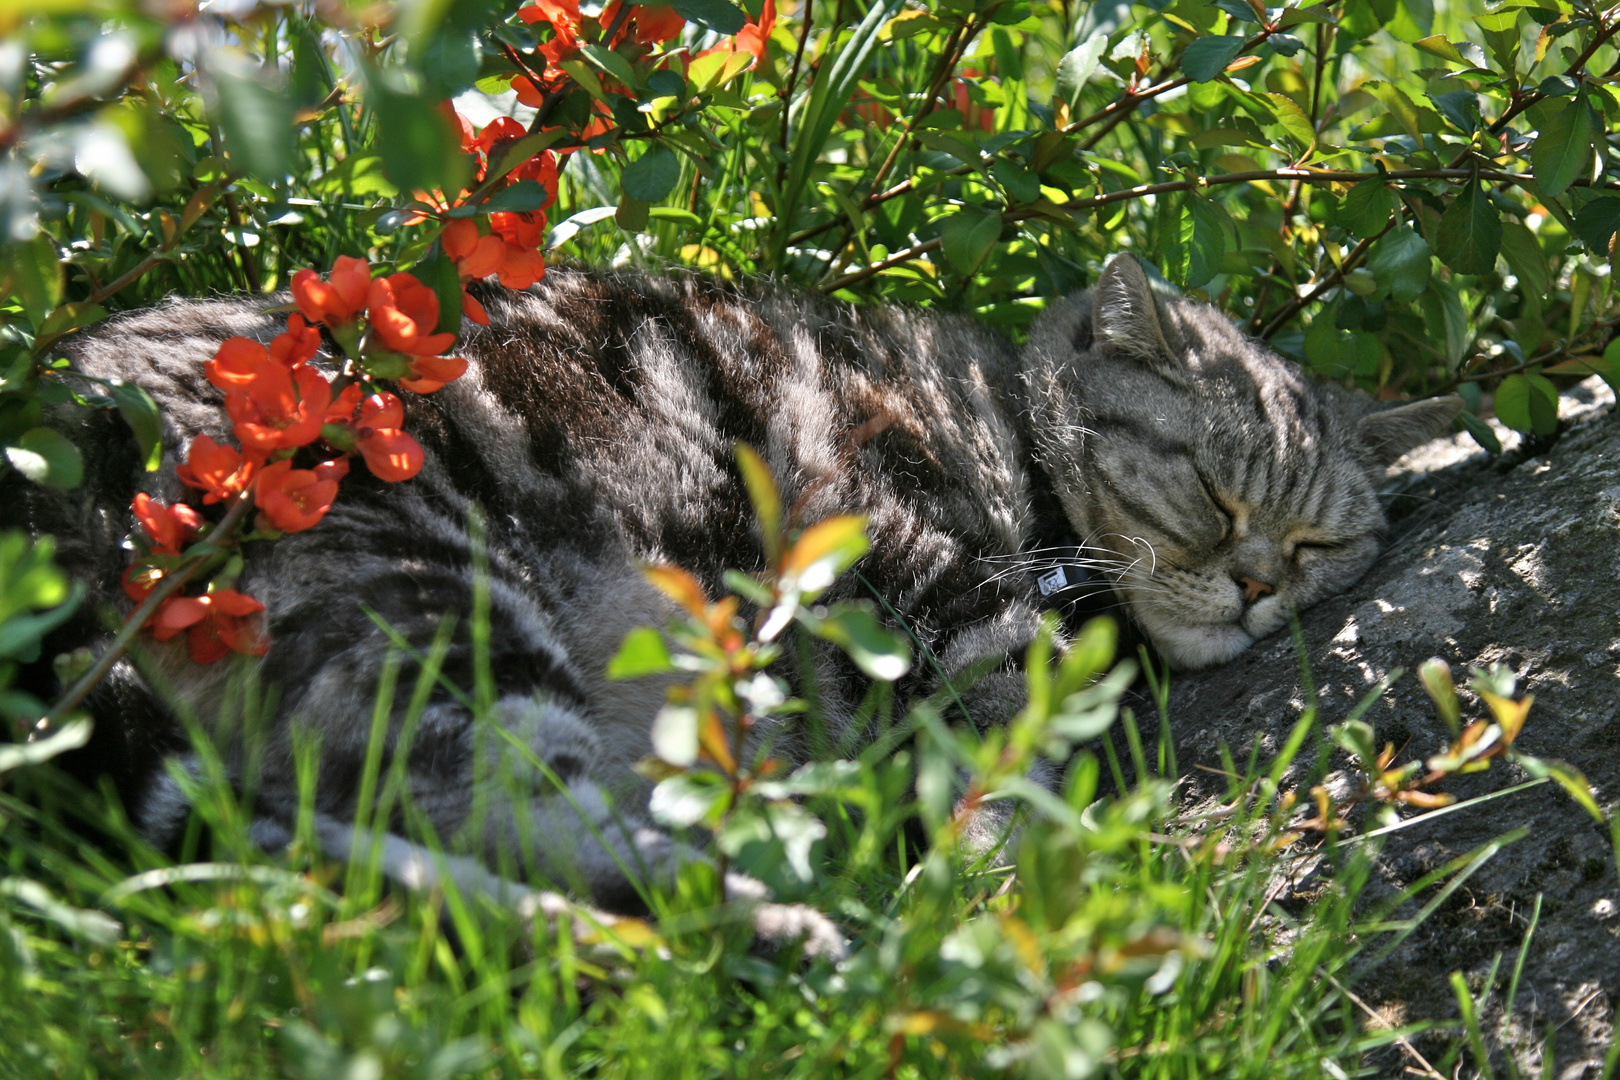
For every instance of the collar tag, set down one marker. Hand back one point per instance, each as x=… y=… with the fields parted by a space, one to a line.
x=1059 y=578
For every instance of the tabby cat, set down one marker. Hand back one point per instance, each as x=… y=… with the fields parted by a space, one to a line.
x=1139 y=442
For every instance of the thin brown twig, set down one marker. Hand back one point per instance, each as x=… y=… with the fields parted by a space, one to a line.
x=1293 y=307
x=167 y=587
x=1400 y=1040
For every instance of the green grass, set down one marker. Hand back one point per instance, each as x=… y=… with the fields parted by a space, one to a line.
x=1126 y=938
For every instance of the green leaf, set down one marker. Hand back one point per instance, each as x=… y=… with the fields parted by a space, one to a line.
x=1563 y=146
x=521 y=196
x=1206 y=246
x=70 y=317
x=641 y=653
x=1021 y=185
x=1435 y=675
x=968 y=235
x=1208 y=56
x=1470 y=231
x=1077 y=66
x=631 y=215
x=612 y=63
x=1597 y=222
x=1292 y=119
x=46 y=457
x=1525 y=258
x=255 y=117
x=1400 y=262
x=1482 y=433
x=140 y=412
x=680 y=802
x=1366 y=208
x=1567 y=777
x=878 y=651
x=34 y=276
x=419 y=150
x=718 y=15
x=652 y=176
x=1543 y=405
x=1401 y=107
x=1528 y=403
x=765 y=497
x=439 y=274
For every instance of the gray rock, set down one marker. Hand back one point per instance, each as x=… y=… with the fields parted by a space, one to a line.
x=1515 y=561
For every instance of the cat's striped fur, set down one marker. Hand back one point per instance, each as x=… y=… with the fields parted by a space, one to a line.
x=595 y=428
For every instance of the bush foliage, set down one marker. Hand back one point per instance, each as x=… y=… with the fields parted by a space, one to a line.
x=1412 y=197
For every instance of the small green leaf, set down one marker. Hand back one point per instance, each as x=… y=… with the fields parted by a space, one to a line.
x=1470 y=233
x=1400 y=262
x=878 y=651
x=522 y=196
x=1077 y=66
x=642 y=653
x=1513 y=402
x=1435 y=675
x=1525 y=258
x=1567 y=777
x=47 y=457
x=140 y=412
x=1206 y=247
x=718 y=15
x=35 y=275
x=652 y=176
x=1366 y=208
x=1563 y=147
x=1543 y=404
x=1021 y=185
x=439 y=274
x=631 y=216
x=683 y=801
x=968 y=235
x=70 y=317
x=1597 y=222
x=1208 y=56
x=611 y=63
x=1482 y=433
x=255 y=117
x=419 y=150
x=766 y=498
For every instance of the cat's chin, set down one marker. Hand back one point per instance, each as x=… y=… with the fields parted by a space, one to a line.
x=1189 y=647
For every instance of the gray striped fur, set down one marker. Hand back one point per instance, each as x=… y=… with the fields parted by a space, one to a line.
x=595 y=429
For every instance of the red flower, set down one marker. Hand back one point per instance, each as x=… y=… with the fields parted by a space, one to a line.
x=235 y=363
x=338 y=301
x=404 y=312
x=293 y=500
x=168 y=527
x=216 y=624
x=220 y=471
x=561 y=14
x=300 y=343
x=653 y=22
x=279 y=409
x=390 y=453
x=341 y=410
x=141 y=578
x=429 y=373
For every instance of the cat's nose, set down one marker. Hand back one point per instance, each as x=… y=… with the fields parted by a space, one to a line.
x=1254 y=589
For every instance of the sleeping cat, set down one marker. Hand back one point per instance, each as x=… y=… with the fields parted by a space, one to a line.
x=1203 y=477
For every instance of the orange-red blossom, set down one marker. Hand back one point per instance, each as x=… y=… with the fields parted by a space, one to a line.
x=337 y=301
x=373 y=423
x=293 y=500
x=215 y=625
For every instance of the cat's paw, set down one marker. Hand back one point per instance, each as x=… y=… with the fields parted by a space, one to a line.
x=781 y=927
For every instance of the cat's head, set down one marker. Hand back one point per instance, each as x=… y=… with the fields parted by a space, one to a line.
x=1219 y=485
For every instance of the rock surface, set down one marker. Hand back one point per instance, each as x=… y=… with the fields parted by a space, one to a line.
x=1515 y=561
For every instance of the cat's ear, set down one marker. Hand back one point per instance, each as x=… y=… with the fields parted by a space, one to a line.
x=1389 y=433
x=1127 y=318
